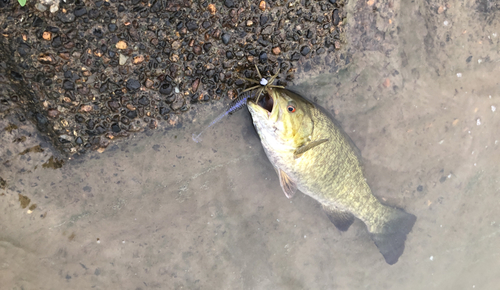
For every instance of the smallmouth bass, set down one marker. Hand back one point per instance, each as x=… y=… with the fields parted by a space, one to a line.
x=311 y=153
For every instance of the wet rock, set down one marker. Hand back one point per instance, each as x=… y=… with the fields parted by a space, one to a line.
x=165 y=89
x=66 y=17
x=263 y=19
x=68 y=85
x=197 y=50
x=164 y=111
x=336 y=18
x=80 y=11
x=192 y=25
x=207 y=46
x=131 y=114
x=115 y=128
x=305 y=50
x=133 y=85
x=144 y=101
x=226 y=37
x=263 y=57
x=53 y=113
x=79 y=119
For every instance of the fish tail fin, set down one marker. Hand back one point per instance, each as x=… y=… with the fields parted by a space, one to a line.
x=390 y=237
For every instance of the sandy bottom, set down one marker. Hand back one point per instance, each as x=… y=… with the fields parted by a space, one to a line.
x=160 y=211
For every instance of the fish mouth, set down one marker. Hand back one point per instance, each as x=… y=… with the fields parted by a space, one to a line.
x=264 y=104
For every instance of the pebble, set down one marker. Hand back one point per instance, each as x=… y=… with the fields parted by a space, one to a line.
x=53 y=113
x=123 y=59
x=121 y=44
x=133 y=85
x=226 y=37
x=336 y=18
x=276 y=50
x=115 y=128
x=68 y=85
x=229 y=3
x=191 y=25
x=263 y=57
x=40 y=7
x=305 y=50
x=66 y=17
x=212 y=9
x=165 y=89
x=80 y=11
x=262 y=5
x=131 y=114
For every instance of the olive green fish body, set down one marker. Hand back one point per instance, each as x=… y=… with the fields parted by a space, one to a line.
x=311 y=153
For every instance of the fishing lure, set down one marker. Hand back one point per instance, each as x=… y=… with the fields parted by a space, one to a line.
x=262 y=83
x=239 y=103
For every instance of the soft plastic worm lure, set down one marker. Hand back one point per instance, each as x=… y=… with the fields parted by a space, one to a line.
x=239 y=103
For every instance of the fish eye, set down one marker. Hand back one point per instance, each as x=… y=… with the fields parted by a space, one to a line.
x=291 y=108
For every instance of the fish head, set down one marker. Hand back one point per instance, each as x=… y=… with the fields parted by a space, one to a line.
x=282 y=117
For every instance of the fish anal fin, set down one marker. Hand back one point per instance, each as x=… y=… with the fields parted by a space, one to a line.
x=302 y=149
x=289 y=187
x=390 y=239
x=341 y=219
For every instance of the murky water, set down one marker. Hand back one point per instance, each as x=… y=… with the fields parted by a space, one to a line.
x=419 y=99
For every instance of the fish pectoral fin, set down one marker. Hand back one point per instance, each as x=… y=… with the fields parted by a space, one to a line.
x=302 y=149
x=289 y=187
x=341 y=219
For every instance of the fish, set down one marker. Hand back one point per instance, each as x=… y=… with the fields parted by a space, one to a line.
x=236 y=105
x=312 y=154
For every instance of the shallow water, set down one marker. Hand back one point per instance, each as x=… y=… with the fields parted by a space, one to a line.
x=162 y=211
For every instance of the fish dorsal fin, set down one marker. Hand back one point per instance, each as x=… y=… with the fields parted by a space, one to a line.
x=302 y=149
x=289 y=187
x=341 y=219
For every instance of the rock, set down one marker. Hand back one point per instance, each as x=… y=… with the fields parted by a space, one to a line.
x=305 y=50
x=191 y=25
x=133 y=85
x=263 y=57
x=53 y=113
x=212 y=9
x=226 y=37
x=276 y=50
x=123 y=59
x=229 y=3
x=131 y=114
x=144 y=101
x=66 y=17
x=336 y=18
x=115 y=128
x=68 y=85
x=165 y=89
x=121 y=44
x=80 y=11
x=262 y=5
